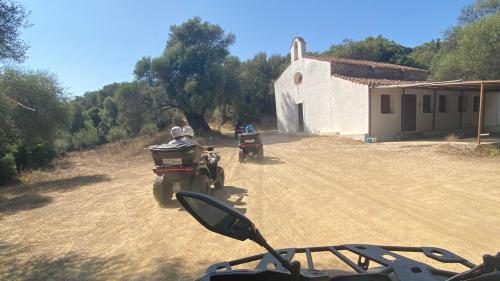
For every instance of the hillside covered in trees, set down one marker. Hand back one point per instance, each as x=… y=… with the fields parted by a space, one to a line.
x=195 y=80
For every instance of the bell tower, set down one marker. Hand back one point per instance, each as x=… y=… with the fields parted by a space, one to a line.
x=298 y=48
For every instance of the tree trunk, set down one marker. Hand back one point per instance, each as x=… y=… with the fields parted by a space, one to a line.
x=197 y=122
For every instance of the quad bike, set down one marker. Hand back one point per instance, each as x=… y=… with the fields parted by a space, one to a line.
x=370 y=262
x=184 y=167
x=251 y=146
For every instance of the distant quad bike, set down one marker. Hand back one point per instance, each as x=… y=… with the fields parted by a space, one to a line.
x=184 y=167
x=251 y=146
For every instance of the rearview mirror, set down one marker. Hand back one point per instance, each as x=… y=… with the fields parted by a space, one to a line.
x=217 y=216
x=223 y=219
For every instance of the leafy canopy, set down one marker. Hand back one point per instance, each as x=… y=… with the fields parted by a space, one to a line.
x=424 y=54
x=13 y=17
x=479 y=9
x=42 y=92
x=470 y=52
x=374 y=49
x=191 y=67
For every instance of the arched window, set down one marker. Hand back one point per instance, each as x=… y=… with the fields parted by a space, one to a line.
x=297 y=78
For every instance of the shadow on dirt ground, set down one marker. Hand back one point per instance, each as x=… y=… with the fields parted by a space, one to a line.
x=271 y=160
x=70 y=266
x=268 y=160
x=31 y=196
x=23 y=202
x=60 y=185
x=174 y=204
x=73 y=266
x=224 y=194
x=227 y=193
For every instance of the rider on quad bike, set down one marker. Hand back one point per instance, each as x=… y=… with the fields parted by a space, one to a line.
x=239 y=128
x=188 y=134
x=177 y=136
x=250 y=144
x=184 y=165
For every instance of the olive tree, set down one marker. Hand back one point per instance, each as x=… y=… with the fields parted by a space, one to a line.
x=191 y=68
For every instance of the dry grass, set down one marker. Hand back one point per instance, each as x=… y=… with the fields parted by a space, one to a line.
x=452 y=137
x=488 y=150
x=94 y=217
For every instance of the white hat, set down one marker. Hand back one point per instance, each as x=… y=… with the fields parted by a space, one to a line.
x=176 y=132
x=188 y=131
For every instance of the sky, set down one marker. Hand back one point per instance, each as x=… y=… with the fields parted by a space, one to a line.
x=88 y=44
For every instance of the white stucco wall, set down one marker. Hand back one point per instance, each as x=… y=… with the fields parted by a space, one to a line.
x=492 y=112
x=313 y=93
x=330 y=104
x=349 y=111
x=424 y=120
x=386 y=126
x=449 y=120
x=469 y=116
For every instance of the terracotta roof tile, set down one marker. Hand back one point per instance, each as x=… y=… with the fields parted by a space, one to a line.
x=374 y=64
x=375 y=81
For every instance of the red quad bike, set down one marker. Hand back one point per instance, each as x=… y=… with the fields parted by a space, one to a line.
x=251 y=146
x=184 y=167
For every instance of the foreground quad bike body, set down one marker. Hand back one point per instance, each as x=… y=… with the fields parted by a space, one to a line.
x=251 y=146
x=359 y=262
x=362 y=263
x=184 y=167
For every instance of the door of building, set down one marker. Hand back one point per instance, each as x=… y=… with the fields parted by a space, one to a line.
x=409 y=114
x=300 y=113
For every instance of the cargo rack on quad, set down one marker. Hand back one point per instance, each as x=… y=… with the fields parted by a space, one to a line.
x=184 y=167
x=372 y=260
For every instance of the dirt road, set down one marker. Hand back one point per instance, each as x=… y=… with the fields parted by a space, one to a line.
x=97 y=220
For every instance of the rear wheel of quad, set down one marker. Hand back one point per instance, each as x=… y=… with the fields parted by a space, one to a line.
x=260 y=156
x=241 y=156
x=201 y=184
x=162 y=191
x=220 y=178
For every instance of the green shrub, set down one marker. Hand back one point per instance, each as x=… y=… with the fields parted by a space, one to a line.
x=85 y=138
x=116 y=133
x=27 y=156
x=40 y=156
x=63 y=143
x=21 y=155
x=88 y=136
x=8 y=170
x=148 y=129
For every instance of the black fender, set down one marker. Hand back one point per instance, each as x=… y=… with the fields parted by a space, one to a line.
x=203 y=170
